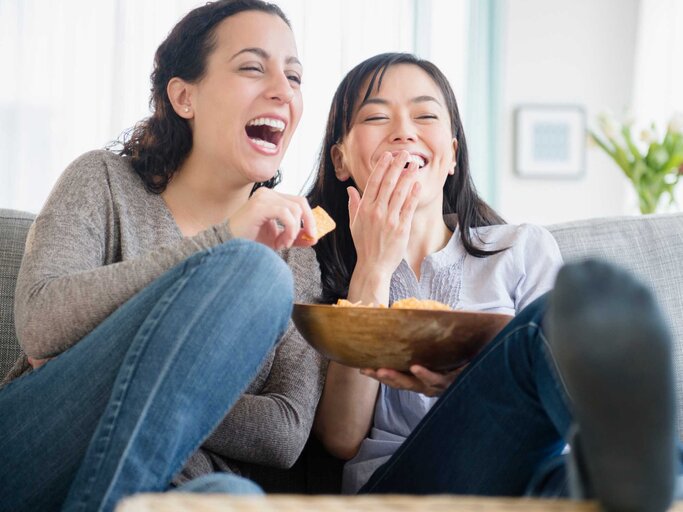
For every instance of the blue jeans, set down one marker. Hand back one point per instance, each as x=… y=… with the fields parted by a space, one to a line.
x=498 y=430
x=222 y=483
x=503 y=419
x=122 y=410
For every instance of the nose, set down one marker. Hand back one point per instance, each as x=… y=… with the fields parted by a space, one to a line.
x=279 y=88
x=403 y=130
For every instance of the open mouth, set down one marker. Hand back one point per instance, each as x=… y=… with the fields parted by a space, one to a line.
x=265 y=132
x=420 y=161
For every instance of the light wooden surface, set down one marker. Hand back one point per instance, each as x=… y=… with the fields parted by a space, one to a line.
x=178 y=502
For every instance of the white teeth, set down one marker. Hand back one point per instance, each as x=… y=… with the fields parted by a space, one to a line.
x=263 y=143
x=274 y=124
x=418 y=160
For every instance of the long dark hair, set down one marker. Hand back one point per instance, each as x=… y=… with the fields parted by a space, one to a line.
x=336 y=252
x=159 y=144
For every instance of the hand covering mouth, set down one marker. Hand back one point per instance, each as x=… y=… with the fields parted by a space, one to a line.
x=265 y=131
x=419 y=158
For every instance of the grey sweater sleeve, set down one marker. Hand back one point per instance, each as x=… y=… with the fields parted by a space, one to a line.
x=271 y=428
x=67 y=283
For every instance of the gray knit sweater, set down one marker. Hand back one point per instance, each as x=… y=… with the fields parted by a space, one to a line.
x=102 y=237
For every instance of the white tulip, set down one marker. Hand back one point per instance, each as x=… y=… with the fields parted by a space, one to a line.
x=608 y=125
x=676 y=123
x=647 y=136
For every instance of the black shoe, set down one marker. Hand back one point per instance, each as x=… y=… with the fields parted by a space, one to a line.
x=613 y=351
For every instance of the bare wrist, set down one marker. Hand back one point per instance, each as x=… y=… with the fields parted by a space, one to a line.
x=370 y=287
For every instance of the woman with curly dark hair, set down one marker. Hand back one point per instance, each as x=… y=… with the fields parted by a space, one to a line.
x=150 y=298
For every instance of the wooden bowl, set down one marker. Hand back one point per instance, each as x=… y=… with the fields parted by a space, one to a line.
x=396 y=338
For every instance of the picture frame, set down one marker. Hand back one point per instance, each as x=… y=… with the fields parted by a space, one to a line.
x=550 y=141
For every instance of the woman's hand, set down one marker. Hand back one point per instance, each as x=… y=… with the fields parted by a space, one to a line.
x=380 y=220
x=37 y=363
x=420 y=379
x=276 y=220
x=380 y=224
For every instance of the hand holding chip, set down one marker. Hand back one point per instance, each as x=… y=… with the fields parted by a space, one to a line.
x=279 y=220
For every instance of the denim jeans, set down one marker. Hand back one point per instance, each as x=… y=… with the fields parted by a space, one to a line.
x=500 y=429
x=221 y=483
x=503 y=419
x=123 y=409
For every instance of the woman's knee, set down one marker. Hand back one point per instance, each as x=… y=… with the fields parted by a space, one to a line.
x=257 y=270
x=535 y=312
x=266 y=266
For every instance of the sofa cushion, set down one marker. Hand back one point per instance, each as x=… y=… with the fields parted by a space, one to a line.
x=13 y=228
x=650 y=246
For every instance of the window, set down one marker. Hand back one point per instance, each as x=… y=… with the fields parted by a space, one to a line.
x=76 y=73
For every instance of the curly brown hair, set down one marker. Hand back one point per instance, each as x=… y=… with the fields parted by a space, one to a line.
x=160 y=143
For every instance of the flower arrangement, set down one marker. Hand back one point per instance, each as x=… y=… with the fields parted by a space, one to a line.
x=654 y=164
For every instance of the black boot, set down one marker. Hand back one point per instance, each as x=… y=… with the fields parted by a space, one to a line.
x=613 y=351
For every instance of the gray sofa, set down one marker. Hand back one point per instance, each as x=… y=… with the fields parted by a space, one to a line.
x=650 y=246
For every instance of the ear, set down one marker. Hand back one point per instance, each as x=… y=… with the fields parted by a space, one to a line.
x=180 y=94
x=337 y=155
x=454 y=163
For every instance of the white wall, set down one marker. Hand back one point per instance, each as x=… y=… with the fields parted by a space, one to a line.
x=559 y=51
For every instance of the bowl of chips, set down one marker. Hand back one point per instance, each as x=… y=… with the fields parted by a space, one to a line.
x=398 y=337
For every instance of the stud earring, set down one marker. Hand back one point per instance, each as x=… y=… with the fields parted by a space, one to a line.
x=186 y=109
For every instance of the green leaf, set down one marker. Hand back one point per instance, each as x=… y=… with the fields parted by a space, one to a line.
x=626 y=132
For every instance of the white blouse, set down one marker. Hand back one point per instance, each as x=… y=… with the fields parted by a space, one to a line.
x=503 y=283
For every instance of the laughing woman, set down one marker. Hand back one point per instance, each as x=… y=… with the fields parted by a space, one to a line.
x=150 y=300
x=394 y=175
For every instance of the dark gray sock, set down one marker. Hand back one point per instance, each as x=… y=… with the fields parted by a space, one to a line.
x=613 y=350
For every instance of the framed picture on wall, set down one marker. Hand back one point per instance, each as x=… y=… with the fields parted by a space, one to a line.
x=550 y=141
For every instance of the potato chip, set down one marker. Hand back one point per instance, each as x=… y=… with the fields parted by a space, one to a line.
x=323 y=222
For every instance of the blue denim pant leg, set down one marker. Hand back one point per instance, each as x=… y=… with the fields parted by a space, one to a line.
x=503 y=417
x=221 y=483
x=122 y=410
x=551 y=480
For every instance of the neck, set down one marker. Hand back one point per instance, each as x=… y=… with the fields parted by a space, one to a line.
x=201 y=195
x=428 y=234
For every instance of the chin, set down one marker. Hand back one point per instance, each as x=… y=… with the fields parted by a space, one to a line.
x=428 y=199
x=260 y=177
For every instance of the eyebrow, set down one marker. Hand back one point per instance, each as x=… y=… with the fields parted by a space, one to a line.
x=264 y=55
x=417 y=99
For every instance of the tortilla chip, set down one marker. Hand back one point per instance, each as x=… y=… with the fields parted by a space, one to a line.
x=412 y=303
x=409 y=303
x=343 y=303
x=323 y=223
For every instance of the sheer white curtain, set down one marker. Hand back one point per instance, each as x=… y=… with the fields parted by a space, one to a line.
x=76 y=73
x=658 y=80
